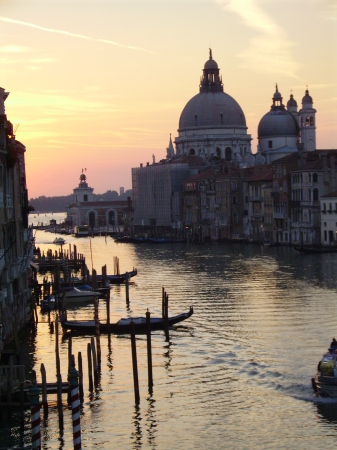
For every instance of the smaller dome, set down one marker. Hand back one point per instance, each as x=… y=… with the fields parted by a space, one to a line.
x=291 y=102
x=276 y=123
x=210 y=65
x=307 y=98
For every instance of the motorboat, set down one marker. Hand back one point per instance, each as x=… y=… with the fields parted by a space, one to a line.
x=59 y=241
x=75 y=295
x=325 y=382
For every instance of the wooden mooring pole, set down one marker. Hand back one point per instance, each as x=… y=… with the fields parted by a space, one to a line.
x=149 y=351
x=44 y=392
x=134 y=361
x=91 y=386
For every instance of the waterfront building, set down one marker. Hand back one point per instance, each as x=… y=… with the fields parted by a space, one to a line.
x=229 y=216
x=259 y=192
x=198 y=204
x=157 y=194
x=98 y=215
x=329 y=219
x=314 y=178
x=16 y=239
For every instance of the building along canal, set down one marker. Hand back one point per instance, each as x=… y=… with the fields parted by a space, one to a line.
x=237 y=374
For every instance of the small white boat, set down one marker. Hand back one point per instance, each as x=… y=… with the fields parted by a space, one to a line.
x=77 y=296
x=59 y=241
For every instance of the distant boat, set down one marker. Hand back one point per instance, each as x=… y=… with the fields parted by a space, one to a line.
x=59 y=241
x=314 y=250
x=118 y=279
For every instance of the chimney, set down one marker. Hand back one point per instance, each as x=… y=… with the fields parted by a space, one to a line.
x=147 y=164
x=141 y=164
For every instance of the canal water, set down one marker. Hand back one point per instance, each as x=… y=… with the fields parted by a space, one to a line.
x=236 y=375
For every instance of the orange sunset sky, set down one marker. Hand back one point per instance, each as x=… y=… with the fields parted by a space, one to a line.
x=100 y=84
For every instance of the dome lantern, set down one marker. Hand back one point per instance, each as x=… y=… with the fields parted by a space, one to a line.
x=211 y=81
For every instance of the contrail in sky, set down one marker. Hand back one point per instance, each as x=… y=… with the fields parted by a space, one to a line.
x=66 y=33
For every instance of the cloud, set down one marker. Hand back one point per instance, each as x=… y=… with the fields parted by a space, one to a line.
x=269 y=50
x=79 y=36
x=13 y=49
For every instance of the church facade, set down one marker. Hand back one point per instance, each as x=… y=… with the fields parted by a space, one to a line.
x=98 y=215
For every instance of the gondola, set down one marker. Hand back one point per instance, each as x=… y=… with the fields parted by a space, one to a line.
x=118 y=279
x=123 y=325
x=315 y=250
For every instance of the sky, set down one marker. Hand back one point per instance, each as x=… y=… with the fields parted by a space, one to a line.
x=100 y=84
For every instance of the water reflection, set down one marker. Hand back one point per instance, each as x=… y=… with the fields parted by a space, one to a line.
x=136 y=435
x=151 y=423
x=327 y=411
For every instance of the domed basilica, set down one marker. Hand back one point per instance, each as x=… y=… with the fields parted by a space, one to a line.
x=212 y=125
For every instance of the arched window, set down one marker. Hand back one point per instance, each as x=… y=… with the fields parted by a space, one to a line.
x=228 y=154
x=218 y=152
x=234 y=200
x=315 y=178
x=307 y=121
x=192 y=151
x=85 y=198
x=235 y=217
x=311 y=121
x=315 y=195
x=111 y=218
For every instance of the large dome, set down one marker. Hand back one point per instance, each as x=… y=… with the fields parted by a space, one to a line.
x=278 y=122
x=212 y=109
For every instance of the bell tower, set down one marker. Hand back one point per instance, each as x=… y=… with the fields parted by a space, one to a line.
x=308 y=123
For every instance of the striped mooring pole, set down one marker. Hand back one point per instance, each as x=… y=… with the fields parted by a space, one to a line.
x=34 y=393
x=75 y=407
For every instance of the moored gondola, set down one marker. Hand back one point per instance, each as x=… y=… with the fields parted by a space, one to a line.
x=123 y=325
